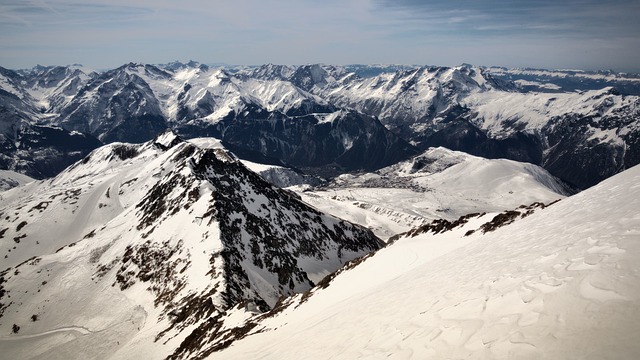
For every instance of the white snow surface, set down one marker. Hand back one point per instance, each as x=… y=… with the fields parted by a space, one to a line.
x=414 y=93
x=494 y=111
x=538 y=84
x=9 y=86
x=222 y=93
x=10 y=179
x=562 y=283
x=440 y=183
x=52 y=91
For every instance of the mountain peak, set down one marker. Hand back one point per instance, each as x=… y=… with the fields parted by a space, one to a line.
x=167 y=139
x=178 y=236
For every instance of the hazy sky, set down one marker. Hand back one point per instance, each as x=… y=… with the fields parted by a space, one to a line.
x=584 y=34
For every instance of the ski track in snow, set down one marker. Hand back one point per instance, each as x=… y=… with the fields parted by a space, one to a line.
x=78 y=329
x=86 y=211
x=74 y=341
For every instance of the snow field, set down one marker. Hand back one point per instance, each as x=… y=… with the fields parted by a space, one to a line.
x=453 y=184
x=561 y=283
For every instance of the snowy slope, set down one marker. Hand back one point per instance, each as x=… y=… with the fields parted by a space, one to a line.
x=438 y=184
x=10 y=84
x=580 y=136
x=402 y=99
x=53 y=87
x=272 y=117
x=561 y=282
x=212 y=94
x=282 y=177
x=189 y=92
x=26 y=146
x=410 y=101
x=499 y=114
x=118 y=105
x=10 y=179
x=311 y=77
x=15 y=102
x=139 y=247
x=277 y=175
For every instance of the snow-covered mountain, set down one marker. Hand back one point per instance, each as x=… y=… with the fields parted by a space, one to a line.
x=569 y=80
x=42 y=151
x=177 y=249
x=282 y=176
x=53 y=87
x=135 y=102
x=437 y=184
x=412 y=101
x=27 y=144
x=212 y=95
x=308 y=77
x=557 y=281
x=118 y=105
x=161 y=245
x=404 y=100
x=10 y=179
x=581 y=136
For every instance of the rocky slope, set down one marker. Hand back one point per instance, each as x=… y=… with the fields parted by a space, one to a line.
x=273 y=117
x=36 y=150
x=118 y=105
x=155 y=243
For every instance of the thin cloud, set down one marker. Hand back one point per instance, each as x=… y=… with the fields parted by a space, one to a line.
x=542 y=17
x=102 y=33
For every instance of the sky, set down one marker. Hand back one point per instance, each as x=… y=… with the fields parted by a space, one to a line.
x=101 y=34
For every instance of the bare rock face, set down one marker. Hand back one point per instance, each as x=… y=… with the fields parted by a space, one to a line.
x=118 y=105
x=327 y=144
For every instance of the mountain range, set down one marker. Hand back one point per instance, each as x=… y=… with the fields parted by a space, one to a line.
x=182 y=211
x=328 y=120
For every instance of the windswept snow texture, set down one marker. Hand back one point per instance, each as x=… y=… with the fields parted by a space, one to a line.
x=437 y=184
x=151 y=250
x=559 y=283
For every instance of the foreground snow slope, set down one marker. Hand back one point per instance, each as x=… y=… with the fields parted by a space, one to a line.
x=561 y=283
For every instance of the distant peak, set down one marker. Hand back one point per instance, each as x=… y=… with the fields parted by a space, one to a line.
x=167 y=140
